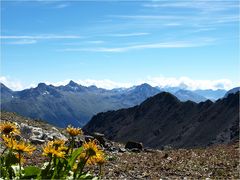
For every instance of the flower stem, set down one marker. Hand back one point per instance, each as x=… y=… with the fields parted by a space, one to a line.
x=72 y=145
x=100 y=171
x=20 y=173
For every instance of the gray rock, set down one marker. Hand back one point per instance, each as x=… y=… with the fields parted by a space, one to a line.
x=112 y=149
x=122 y=150
x=36 y=141
x=134 y=145
x=135 y=150
x=100 y=137
x=26 y=131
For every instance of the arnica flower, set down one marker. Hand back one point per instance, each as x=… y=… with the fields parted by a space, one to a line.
x=97 y=159
x=21 y=158
x=8 y=128
x=8 y=141
x=91 y=148
x=51 y=149
x=59 y=144
x=74 y=131
x=100 y=160
x=22 y=147
x=92 y=153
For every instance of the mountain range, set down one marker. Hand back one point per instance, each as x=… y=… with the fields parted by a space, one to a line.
x=163 y=120
x=76 y=104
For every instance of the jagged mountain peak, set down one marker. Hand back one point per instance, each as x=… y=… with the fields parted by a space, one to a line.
x=164 y=120
x=144 y=86
x=163 y=97
x=4 y=88
x=72 y=83
x=41 y=86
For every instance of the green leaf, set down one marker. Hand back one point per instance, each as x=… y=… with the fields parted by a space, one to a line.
x=74 y=156
x=3 y=172
x=10 y=159
x=87 y=176
x=31 y=172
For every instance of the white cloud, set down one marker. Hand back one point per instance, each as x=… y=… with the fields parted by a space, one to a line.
x=203 y=5
x=95 y=42
x=46 y=36
x=129 y=34
x=161 y=81
x=12 y=84
x=189 y=83
x=176 y=44
x=60 y=6
x=105 y=83
x=22 y=42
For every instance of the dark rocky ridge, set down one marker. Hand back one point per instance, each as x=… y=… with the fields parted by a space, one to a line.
x=164 y=120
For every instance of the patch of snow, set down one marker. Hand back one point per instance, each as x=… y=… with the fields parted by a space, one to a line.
x=46 y=92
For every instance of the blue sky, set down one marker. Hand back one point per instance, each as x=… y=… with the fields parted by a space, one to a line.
x=120 y=43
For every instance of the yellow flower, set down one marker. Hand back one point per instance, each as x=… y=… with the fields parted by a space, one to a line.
x=22 y=147
x=74 y=131
x=8 y=141
x=92 y=153
x=54 y=148
x=8 y=128
x=58 y=142
x=91 y=148
x=97 y=159
x=100 y=160
x=22 y=158
x=74 y=168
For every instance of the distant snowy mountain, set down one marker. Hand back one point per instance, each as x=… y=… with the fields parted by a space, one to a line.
x=76 y=104
x=211 y=94
x=185 y=95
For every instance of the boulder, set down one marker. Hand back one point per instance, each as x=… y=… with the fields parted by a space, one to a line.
x=136 y=150
x=36 y=141
x=121 y=150
x=100 y=137
x=26 y=131
x=134 y=145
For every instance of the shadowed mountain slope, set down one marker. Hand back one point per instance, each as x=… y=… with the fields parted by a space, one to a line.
x=164 y=120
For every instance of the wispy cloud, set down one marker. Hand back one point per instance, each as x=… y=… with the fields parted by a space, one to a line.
x=21 y=42
x=148 y=17
x=42 y=37
x=61 y=6
x=96 y=42
x=203 y=5
x=175 y=44
x=129 y=34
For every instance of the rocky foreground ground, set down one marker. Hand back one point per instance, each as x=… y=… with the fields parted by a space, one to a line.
x=215 y=162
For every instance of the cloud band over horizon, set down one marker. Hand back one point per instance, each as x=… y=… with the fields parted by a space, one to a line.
x=161 y=81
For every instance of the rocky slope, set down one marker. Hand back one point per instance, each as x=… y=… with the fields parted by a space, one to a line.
x=164 y=120
x=215 y=162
